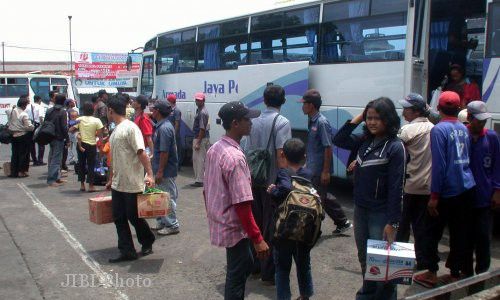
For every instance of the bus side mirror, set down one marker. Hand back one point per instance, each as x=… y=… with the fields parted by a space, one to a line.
x=129 y=62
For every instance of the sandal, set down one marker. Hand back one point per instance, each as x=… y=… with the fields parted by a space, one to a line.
x=426 y=279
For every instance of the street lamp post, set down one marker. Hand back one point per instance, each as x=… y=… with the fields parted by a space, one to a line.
x=70 y=48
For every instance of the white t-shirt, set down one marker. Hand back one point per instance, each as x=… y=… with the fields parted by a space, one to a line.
x=128 y=172
x=33 y=111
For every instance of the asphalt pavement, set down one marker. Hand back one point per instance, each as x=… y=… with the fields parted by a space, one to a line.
x=50 y=250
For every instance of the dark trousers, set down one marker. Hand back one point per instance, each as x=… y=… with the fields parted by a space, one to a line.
x=330 y=205
x=414 y=215
x=482 y=238
x=86 y=162
x=180 y=151
x=34 y=159
x=263 y=209
x=20 y=156
x=239 y=266
x=124 y=211
x=456 y=213
x=41 y=152
x=284 y=251
x=64 y=157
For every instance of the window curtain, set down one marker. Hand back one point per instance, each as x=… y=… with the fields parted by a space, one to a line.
x=211 y=50
x=355 y=32
x=439 y=35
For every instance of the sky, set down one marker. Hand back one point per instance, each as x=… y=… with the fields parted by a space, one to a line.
x=110 y=26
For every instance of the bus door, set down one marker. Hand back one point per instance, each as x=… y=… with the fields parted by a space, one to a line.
x=417 y=54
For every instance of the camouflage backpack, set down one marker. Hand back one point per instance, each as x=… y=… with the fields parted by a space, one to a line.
x=299 y=217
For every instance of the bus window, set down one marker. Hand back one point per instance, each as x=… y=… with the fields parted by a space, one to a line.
x=222 y=54
x=41 y=87
x=493 y=41
x=58 y=81
x=351 y=33
x=176 y=59
x=150 y=45
x=14 y=87
x=147 y=80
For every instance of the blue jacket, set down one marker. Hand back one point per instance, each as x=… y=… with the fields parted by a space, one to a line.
x=485 y=166
x=450 y=147
x=284 y=183
x=380 y=172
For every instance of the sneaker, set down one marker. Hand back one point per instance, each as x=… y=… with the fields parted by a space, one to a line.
x=342 y=228
x=197 y=184
x=147 y=250
x=427 y=279
x=158 y=226
x=123 y=257
x=168 y=231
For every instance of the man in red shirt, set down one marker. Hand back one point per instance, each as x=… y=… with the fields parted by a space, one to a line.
x=144 y=122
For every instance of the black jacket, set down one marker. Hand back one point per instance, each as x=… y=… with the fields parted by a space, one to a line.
x=57 y=115
x=380 y=171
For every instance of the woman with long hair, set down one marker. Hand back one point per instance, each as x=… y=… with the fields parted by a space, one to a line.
x=379 y=172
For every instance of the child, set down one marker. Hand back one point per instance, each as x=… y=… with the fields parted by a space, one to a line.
x=294 y=155
x=72 y=154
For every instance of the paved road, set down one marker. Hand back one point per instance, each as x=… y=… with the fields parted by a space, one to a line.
x=46 y=239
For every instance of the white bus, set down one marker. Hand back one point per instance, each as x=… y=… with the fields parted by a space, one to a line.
x=351 y=51
x=12 y=86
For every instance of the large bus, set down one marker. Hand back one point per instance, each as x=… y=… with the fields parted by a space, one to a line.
x=351 y=51
x=12 y=86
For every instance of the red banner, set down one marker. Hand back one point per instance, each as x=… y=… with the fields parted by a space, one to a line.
x=106 y=70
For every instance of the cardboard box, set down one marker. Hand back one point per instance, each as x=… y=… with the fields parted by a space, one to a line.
x=101 y=210
x=394 y=264
x=153 y=205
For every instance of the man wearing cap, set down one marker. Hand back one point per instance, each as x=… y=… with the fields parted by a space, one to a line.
x=416 y=138
x=201 y=142
x=452 y=194
x=175 y=118
x=228 y=199
x=144 y=123
x=100 y=108
x=319 y=157
x=165 y=165
x=485 y=166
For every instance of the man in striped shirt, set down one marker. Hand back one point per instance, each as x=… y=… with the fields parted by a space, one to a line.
x=228 y=198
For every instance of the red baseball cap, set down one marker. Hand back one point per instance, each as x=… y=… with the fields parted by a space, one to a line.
x=199 y=96
x=449 y=99
x=171 y=98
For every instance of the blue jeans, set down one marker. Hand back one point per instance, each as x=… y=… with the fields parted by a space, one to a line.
x=370 y=224
x=284 y=250
x=55 y=160
x=168 y=185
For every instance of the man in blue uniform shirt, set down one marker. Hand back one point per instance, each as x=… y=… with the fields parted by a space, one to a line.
x=319 y=157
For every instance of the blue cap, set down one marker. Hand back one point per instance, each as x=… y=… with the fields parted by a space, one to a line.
x=413 y=100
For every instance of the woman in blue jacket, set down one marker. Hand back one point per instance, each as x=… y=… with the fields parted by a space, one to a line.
x=379 y=172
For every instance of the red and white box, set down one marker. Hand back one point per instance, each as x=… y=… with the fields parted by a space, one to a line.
x=392 y=264
x=153 y=205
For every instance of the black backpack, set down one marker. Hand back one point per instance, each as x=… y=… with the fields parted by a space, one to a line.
x=46 y=133
x=259 y=161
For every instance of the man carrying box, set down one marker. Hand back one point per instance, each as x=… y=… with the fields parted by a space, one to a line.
x=127 y=180
x=165 y=165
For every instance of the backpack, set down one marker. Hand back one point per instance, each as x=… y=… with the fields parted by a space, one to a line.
x=299 y=217
x=259 y=161
x=46 y=133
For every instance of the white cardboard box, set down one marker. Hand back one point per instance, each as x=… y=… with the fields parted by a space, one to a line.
x=393 y=265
